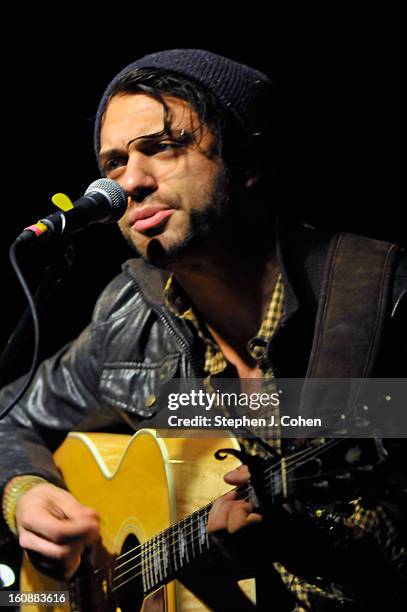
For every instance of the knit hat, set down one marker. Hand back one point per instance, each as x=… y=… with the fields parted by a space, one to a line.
x=245 y=92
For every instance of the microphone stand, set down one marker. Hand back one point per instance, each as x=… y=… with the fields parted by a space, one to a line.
x=52 y=275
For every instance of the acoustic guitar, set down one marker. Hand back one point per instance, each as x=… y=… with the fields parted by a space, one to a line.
x=154 y=495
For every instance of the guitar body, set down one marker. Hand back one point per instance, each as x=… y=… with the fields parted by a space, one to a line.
x=139 y=485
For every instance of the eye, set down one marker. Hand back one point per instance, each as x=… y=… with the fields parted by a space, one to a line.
x=113 y=164
x=164 y=146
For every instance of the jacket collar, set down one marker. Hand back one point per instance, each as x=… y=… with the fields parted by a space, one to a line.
x=150 y=279
x=301 y=252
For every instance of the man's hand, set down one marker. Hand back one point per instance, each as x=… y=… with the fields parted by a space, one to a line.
x=236 y=529
x=54 y=528
x=228 y=513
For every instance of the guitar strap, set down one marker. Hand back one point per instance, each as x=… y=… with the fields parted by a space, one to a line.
x=354 y=306
x=354 y=303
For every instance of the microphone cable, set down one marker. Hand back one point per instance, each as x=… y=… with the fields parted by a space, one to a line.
x=36 y=329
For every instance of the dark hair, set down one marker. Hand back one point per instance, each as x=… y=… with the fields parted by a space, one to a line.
x=238 y=148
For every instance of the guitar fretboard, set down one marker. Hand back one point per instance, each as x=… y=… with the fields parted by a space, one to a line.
x=166 y=554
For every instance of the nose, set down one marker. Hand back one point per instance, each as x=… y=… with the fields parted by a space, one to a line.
x=138 y=180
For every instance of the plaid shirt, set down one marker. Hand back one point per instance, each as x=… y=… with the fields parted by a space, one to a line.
x=374 y=523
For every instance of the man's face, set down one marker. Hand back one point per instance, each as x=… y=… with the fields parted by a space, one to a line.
x=176 y=184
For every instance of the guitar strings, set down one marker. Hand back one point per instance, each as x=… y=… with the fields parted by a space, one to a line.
x=289 y=461
x=148 y=562
x=149 y=566
x=312 y=452
x=205 y=509
x=153 y=576
x=207 y=506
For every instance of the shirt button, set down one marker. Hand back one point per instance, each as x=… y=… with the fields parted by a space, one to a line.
x=150 y=401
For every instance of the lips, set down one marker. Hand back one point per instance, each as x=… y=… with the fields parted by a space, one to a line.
x=149 y=217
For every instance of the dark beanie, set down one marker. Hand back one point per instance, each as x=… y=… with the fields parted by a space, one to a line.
x=243 y=91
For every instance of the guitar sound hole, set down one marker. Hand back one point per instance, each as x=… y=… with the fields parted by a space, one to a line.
x=130 y=595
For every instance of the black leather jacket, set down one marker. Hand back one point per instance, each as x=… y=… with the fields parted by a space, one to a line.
x=107 y=377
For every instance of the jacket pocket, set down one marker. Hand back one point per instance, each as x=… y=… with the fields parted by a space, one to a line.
x=135 y=387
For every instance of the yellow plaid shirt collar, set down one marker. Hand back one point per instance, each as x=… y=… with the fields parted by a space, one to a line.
x=214 y=361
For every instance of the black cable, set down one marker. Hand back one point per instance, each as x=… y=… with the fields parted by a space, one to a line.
x=36 y=329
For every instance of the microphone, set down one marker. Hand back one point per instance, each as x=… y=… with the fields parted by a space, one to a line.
x=104 y=202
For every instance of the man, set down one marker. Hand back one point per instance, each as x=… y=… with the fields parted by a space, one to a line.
x=217 y=291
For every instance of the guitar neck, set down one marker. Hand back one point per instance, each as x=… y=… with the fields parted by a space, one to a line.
x=163 y=557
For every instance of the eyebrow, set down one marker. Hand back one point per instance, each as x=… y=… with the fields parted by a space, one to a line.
x=151 y=136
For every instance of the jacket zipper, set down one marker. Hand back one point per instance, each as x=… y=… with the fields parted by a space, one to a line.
x=163 y=317
x=182 y=342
